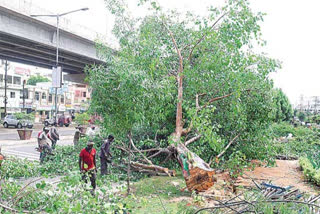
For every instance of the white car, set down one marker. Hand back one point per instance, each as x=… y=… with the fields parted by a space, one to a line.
x=11 y=120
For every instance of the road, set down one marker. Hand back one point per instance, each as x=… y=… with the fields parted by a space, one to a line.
x=13 y=146
x=12 y=134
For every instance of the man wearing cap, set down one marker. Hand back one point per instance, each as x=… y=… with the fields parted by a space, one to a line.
x=87 y=164
x=105 y=155
x=43 y=144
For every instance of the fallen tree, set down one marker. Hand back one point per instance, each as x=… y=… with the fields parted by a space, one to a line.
x=184 y=81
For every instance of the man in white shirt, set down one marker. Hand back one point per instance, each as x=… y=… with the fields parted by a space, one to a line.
x=91 y=132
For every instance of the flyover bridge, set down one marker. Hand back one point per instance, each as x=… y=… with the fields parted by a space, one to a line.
x=30 y=41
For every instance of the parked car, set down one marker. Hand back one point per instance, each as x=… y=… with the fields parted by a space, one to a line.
x=62 y=121
x=11 y=120
x=49 y=122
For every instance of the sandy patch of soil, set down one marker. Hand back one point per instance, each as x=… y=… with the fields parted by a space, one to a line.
x=285 y=173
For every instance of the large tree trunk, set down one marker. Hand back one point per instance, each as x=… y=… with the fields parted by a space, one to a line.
x=197 y=173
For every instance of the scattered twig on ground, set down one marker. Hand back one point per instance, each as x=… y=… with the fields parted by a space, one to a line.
x=267 y=193
x=13 y=210
x=23 y=188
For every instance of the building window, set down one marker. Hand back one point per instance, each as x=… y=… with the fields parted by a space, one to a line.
x=50 y=98
x=44 y=96
x=84 y=94
x=17 y=80
x=12 y=94
x=26 y=94
x=1 y=77
x=37 y=96
x=62 y=99
x=9 y=79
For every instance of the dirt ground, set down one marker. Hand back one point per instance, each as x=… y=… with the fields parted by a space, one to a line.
x=285 y=173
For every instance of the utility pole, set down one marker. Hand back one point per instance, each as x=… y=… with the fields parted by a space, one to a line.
x=57 y=64
x=5 y=87
x=23 y=94
x=57 y=16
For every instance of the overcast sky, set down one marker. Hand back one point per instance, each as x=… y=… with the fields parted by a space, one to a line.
x=291 y=29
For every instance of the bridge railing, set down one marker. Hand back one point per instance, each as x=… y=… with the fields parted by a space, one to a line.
x=26 y=7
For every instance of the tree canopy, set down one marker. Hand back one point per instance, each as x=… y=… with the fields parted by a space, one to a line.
x=33 y=80
x=184 y=78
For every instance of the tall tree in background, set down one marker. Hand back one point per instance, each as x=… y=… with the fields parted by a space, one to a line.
x=33 y=80
x=184 y=80
x=283 y=108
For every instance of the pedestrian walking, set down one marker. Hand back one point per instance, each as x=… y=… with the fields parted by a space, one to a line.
x=87 y=165
x=43 y=144
x=105 y=155
x=53 y=135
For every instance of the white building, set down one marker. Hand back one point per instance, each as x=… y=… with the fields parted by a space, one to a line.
x=15 y=78
x=72 y=97
x=308 y=104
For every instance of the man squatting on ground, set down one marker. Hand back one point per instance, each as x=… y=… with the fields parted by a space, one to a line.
x=87 y=164
x=43 y=144
x=105 y=155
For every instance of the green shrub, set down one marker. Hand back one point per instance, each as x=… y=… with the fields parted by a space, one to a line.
x=24 y=116
x=309 y=171
x=82 y=119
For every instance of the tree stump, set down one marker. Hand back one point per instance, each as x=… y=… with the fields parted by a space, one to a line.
x=197 y=173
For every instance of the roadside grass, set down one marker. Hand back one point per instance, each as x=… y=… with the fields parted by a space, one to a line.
x=160 y=195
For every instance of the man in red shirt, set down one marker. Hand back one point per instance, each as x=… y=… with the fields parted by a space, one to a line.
x=87 y=164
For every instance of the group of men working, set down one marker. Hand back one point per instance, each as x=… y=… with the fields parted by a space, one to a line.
x=87 y=160
x=87 y=156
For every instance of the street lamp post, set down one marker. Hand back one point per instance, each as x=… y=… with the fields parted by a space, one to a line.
x=57 y=47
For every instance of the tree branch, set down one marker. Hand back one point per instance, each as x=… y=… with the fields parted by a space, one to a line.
x=229 y=144
x=219 y=98
x=192 y=140
x=215 y=99
x=179 y=125
x=167 y=158
x=154 y=167
x=205 y=34
x=13 y=210
x=175 y=45
x=32 y=181
x=159 y=152
x=123 y=149
x=135 y=148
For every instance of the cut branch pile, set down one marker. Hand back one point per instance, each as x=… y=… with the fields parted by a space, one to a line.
x=265 y=193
